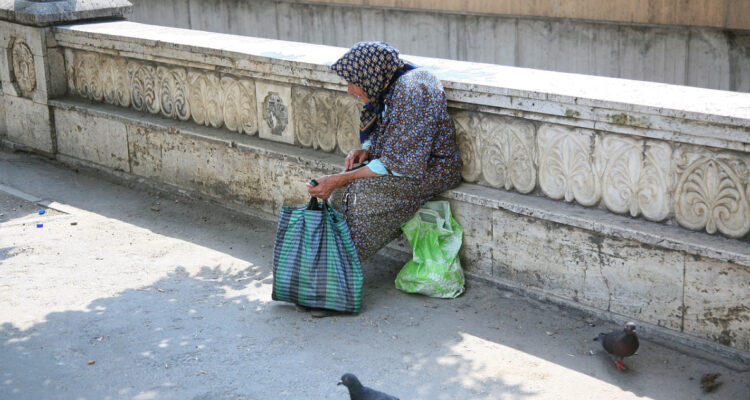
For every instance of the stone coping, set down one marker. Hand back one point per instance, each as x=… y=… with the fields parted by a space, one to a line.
x=54 y=12
x=722 y=118
x=597 y=220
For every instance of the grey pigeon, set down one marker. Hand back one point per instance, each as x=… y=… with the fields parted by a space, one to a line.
x=620 y=343
x=359 y=392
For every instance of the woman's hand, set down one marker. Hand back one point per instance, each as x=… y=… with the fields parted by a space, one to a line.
x=356 y=157
x=325 y=187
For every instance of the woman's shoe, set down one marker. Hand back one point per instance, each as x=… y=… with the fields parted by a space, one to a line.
x=301 y=308
x=322 y=313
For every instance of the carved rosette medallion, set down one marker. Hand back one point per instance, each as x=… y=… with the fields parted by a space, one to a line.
x=23 y=67
x=495 y=150
x=711 y=192
x=566 y=168
x=275 y=113
x=634 y=176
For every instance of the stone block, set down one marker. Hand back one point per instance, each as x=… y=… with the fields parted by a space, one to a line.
x=716 y=301
x=3 y=126
x=213 y=168
x=652 y=54
x=543 y=255
x=28 y=124
x=640 y=281
x=275 y=111
x=99 y=140
x=476 y=251
x=45 y=13
x=708 y=64
x=608 y=274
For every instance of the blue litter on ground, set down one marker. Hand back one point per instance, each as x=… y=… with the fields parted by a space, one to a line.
x=41 y=211
x=39 y=225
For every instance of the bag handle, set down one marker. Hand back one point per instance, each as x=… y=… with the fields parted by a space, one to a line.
x=315 y=205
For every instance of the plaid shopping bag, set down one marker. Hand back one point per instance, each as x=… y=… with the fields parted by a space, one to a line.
x=315 y=263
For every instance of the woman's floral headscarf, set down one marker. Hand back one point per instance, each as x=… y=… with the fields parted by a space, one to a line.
x=373 y=66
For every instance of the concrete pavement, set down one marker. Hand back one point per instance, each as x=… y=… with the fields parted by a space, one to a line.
x=131 y=293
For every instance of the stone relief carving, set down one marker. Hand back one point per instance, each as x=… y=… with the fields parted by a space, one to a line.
x=566 y=169
x=174 y=92
x=239 y=105
x=206 y=99
x=23 y=67
x=712 y=192
x=325 y=119
x=496 y=150
x=275 y=113
x=634 y=176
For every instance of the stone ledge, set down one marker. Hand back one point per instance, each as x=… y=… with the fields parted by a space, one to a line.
x=592 y=219
x=55 y=12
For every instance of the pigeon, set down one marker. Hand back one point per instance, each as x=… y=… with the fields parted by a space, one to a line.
x=359 y=392
x=621 y=344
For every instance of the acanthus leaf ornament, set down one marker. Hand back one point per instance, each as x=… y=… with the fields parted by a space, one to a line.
x=206 y=99
x=634 y=176
x=711 y=193
x=566 y=170
x=238 y=98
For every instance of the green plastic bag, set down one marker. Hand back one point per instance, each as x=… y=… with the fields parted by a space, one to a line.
x=435 y=238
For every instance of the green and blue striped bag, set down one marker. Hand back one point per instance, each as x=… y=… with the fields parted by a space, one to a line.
x=315 y=263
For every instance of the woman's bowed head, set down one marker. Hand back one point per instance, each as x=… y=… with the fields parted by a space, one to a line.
x=409 y=152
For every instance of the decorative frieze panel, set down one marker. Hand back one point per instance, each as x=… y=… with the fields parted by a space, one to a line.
x=496 y=150
x=326 y=119
x=712 y=191
x=23 y=68
x=566 y=168
x=205 y=97
x=634 y=176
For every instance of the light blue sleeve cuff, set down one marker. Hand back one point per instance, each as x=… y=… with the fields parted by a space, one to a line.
x=377 y=167
x=366 y=144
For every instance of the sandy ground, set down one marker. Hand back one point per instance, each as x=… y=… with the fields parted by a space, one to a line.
x=125 y=293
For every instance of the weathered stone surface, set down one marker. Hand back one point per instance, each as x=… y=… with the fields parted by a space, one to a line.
x=44 y=13
x=102 y=141
x=3 y=126
x=476 y=251
x=614 y=275
x=28 y=124
x=716 y=301
x=214 y=169
x=275 y=112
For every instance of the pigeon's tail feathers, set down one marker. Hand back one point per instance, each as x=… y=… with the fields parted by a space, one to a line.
x=600 y=337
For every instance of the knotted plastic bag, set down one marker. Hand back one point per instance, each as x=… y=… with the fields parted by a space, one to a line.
x=435 y=238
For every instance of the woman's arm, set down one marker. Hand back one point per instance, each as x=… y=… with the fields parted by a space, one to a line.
x=327 y=183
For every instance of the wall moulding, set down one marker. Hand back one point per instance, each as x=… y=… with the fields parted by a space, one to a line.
x=205 y=97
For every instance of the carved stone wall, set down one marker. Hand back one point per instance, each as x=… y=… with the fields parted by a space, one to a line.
x=702 y=188
x=698 y=187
